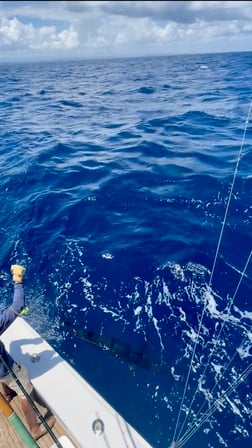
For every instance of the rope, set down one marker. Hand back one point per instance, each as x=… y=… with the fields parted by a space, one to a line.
x=34 y=407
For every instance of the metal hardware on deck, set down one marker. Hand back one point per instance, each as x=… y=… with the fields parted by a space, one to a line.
x=98 y=427
x=35 y=357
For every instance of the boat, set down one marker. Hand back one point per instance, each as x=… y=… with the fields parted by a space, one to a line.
x=83 y=417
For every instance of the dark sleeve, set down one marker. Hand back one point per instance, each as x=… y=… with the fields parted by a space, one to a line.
x=10 y=313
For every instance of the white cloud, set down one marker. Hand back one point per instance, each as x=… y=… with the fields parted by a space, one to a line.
x=118 y=28
x=48 y=38
x=13 y=31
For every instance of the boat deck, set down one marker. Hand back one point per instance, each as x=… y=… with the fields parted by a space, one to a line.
x=9 y=438
x=85 y=419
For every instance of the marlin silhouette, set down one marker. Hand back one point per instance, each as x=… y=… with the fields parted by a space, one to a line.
x=116 y=347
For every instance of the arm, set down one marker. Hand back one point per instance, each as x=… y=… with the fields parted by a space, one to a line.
x=18 y=303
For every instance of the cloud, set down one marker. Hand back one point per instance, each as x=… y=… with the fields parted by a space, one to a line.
x=13 y=33
x=123 y=28
x=48 y=38
x=186 y=12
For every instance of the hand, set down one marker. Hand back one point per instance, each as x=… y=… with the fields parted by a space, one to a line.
x=17 y=273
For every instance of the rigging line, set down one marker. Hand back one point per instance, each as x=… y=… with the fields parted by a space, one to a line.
x=216 y=255
x=212 y=390
x=202 y=418
x=189 y=373
x=214 y=348
x=217 y=402
x=211 y=276
x=213 y=407
x=231 y=192
x=241 y=277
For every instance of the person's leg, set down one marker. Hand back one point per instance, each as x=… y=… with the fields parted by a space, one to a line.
x=8 y=393
x=35 y=427
x=36 y=430
x=35 y=396
x=30 y=415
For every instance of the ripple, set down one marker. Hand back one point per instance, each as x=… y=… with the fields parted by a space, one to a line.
x=115 y=180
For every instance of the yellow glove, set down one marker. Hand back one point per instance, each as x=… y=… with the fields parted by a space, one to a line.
x=17 y=273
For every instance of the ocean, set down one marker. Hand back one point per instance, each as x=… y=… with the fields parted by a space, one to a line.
x=126 y=192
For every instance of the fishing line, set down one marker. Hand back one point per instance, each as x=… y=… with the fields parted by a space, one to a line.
x=34 y=407
x=188 y=375
x=214 y=349
x=188 y=431
x=213 y=269
x=231 y=192
x=212 y=409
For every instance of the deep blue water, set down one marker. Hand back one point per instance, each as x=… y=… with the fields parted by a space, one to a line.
x=115 y=179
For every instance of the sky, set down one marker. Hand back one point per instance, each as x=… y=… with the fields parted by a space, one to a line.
x=49 y=30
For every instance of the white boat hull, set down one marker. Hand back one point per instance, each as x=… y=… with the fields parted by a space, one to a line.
x=89 y=419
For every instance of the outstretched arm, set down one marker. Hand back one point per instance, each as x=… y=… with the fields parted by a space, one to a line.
x=18 y=303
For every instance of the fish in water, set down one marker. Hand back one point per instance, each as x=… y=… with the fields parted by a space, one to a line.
x=116 y=347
